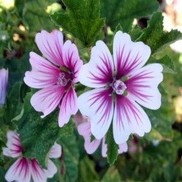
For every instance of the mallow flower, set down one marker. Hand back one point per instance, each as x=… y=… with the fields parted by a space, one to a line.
x=121 y=83
x=55 y=73
x=91 y=145
x=3 y=85
x=24 y=169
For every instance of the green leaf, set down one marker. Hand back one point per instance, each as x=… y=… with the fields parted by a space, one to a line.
x=166 y=62
x=69 y=168
x=35 y=15
x=135 y=32
x=112 y=147
x=87 y=171
x=2 y=174
x=112 y=174
x=81 y=19
x=13 y=104
x=155 y=37
x=168 y=65
x=38 y=135
x=124 y=11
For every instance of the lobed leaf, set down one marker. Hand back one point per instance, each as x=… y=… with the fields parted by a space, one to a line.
x=155 y=37
x=124 y=11
x=70 y=157
x=38 y=135
x=81 y=19
x=34 y=14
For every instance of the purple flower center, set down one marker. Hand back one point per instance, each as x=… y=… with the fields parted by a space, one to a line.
x=64 y=78
x=119 y=87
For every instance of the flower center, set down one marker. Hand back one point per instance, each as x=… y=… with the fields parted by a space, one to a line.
x=119 y=87
x=62 y=79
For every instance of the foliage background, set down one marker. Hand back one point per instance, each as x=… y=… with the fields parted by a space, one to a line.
x=155 y=157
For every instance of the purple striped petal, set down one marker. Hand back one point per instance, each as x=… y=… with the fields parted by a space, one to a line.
x=19 y=171
x=129 y=118
x=99 y=71
x=142 y=86
x=14 y=148
x=71 y=59
x=47 y=99
x=37 y=172
x=51 y=45
x=97 y=104
x=67 y=107
x=128 y=55
x=43 y=74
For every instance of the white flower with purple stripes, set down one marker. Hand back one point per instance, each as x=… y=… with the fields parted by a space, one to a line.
x=55 y=74
x=121 y=82
x=24 y=169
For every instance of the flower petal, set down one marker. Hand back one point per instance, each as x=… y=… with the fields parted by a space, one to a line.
x=123 y=148
x=71 y=59
x=98 y=72
x=84 y=129
x=51 y=45
x=78 y=118
x=19 y=171
x=43 y=74
x=14 y=148
x=47 y=99
x=129 y=118
x=128 y=55
x=51 y=169
x=142 y=86
x=55 y=151
x=98 y=106
x=67 y=107
x=37 y=172
x=40 y=64
x=90 y=146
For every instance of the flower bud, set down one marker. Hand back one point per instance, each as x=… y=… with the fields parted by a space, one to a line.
x=3 y=85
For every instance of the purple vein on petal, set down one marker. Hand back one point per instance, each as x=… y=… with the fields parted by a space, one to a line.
x=104 y=105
